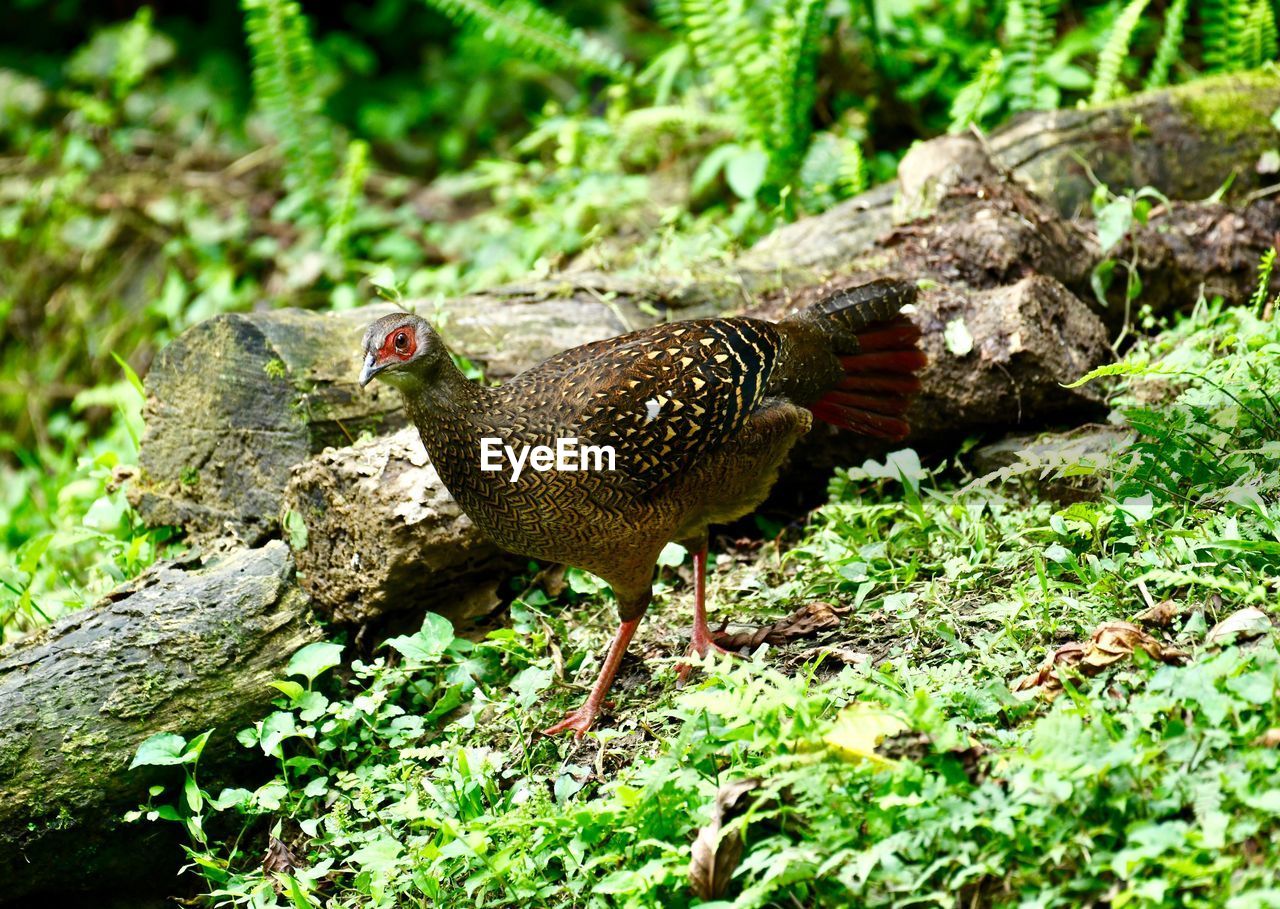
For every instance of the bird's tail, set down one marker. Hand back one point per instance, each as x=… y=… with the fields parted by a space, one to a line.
x=877 y=349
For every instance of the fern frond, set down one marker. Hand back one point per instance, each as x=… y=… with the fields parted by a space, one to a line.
x=1262 y=27
x=1170 y=46
x=1266 y=265
x=354 y=171
x=537 y=33
x=966 y=107
x=1107 y=78
x=766 y=70
x=1229 y=34
x=1031 y=28
x=788 y=81
x=852 y=178
x=284 y=82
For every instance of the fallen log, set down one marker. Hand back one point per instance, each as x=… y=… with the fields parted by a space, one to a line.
x=182 y=648
x=221 y=440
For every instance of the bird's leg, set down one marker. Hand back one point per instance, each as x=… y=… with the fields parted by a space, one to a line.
x=580 y=720
x=700 y=642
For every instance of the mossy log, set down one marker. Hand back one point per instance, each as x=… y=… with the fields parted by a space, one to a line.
x=183 y=648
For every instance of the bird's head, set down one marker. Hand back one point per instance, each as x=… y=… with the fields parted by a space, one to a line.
x=402 y=350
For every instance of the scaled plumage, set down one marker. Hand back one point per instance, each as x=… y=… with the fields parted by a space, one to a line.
x=700 y=414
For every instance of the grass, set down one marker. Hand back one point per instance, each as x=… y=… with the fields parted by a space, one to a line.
x=1145 y=773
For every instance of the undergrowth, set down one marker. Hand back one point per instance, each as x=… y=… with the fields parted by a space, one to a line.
x=901 y=763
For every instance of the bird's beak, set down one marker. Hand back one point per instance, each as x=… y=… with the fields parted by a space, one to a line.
x=370 y=370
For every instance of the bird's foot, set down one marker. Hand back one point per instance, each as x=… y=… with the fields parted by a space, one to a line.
x=577 y=722
x=699 y=648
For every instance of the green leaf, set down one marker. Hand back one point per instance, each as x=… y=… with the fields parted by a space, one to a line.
x=672 y=555
x=230 y=798
x=314 y=659
x=1138 y=507
x=428 y=645
x=129 y=373
x=1126 y=368
x=163 y=749
x=194 y=797
x=275 y=729
x=296 y=527
x=958 y=339
x=745 y=172
x=1114 y=220
x=529 y=683
x=291 y=690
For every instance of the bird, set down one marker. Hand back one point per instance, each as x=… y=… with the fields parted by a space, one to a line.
x=679 y=426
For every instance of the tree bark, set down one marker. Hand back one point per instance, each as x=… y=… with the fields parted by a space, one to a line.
x=182 y=649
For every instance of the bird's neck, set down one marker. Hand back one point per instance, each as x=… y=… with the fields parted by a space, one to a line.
x=448 y=410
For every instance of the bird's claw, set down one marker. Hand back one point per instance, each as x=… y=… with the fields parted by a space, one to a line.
x=577 y=722
x=700 y=649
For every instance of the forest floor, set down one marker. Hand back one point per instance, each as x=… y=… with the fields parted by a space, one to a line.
x=1049 y=683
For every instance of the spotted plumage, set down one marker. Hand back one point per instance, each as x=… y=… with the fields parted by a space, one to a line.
x=700 y=416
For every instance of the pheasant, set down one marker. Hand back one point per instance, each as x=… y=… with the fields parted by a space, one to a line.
x=698 y=416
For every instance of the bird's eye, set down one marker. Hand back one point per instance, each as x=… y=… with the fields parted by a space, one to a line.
x=401 y=341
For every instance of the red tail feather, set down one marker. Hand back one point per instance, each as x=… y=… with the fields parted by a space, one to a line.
x=907 y=361
x=863 y=421
x=878 y=383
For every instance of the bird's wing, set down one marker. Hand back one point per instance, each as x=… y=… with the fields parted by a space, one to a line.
x=662 y=397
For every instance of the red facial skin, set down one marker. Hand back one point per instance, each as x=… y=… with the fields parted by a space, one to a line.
x=389 y=351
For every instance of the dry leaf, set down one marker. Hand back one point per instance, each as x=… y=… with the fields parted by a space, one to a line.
x=1242 y=625
x=1110 y=643
x=714 y=855
x=860 y=728
x=279 y=858
x=808 y=620
x=1268 y=739
x=1162 y=614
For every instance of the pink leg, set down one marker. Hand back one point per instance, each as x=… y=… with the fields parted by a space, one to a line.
x=580 y=720
x=701 y=641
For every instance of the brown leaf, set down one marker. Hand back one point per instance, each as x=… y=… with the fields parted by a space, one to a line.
x=1110 y=643
x=808 y=620
x=715 y=855
x=1162 y=614
x=279 y=858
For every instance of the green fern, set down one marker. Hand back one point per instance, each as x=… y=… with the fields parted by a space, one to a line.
x=354 y=172
x=1107 y=80
x=763 y=62
x=1262 y=23
x=1170 y=47
x=538 y=34
x=967 y=107
x=284 y=82
x=1030 y=29
x=1237 y=34
x=1266 y=265
x=853 y=169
